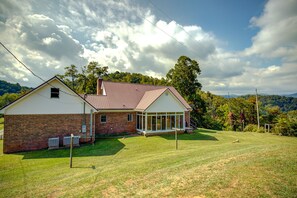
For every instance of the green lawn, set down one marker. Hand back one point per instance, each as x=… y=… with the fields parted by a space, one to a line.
x=207 y=164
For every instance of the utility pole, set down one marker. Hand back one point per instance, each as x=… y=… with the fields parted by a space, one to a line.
x=257 y=110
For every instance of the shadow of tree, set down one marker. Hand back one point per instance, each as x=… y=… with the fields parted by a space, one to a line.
x=99 y=148
x=191 y=136
x=206 y=130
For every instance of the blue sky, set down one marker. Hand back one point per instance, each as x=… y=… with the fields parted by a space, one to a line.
x=228 y=20
x=240 y=45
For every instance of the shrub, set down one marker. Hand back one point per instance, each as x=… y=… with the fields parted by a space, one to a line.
x=260 y=130
x=251 y=128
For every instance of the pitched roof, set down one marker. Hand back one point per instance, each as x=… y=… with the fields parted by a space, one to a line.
x=149 y=97
x=128 y=96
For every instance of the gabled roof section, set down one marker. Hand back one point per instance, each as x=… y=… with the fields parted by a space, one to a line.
x=72 y=92
x=149 y=97
x=128 y=96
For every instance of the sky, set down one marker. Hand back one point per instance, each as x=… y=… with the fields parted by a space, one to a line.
x=240 y=45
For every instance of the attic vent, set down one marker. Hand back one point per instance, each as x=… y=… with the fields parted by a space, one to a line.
x=166 y=93
x=53 y=143
x=55 y=92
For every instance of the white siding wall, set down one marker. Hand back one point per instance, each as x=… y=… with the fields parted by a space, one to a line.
x=166 y=103
x=40 y=102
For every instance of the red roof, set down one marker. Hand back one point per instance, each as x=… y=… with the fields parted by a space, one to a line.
x=125 y=96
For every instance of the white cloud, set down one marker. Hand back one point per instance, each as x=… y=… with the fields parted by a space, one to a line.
x=49 y=35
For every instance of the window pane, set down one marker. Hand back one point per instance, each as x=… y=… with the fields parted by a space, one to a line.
x=181 y=121
x=172 y=122
x=149 y=123
x=158 y=122
x=137 y=124
x=140 y=122
x=177 y=121
x=143 y=127
x=154 y=123
x=103 y=118
x=163 y=122
x=168 y=123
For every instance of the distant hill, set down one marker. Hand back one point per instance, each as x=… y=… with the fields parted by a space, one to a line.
x=285 y=103
x=230 y=96
x=6 y=87
x=294 y=95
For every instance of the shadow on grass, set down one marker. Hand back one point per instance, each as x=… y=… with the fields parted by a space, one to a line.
x=102 y=147
x=206 y=130
x=191 y=136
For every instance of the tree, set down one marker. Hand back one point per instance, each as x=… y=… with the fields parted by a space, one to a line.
x=184 y=77
x=71 y=72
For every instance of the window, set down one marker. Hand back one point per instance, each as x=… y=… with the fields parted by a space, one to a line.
x=130 y=117
x=55 y=92
x=103 y=118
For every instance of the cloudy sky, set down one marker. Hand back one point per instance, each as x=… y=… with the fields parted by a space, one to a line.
x=240 y=45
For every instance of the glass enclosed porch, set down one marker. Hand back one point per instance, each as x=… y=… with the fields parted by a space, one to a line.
x=159 y=122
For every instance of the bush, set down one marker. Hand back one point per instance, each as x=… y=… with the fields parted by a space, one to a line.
x=285 y=127
x=260 y=130
x=251 y=128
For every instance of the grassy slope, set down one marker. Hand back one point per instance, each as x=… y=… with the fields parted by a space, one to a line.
x=207 y=164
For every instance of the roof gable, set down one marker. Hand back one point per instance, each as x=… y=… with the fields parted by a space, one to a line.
x=128 y=96
x=51 y=83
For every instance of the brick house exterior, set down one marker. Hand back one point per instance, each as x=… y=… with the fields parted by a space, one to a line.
x=55 y=110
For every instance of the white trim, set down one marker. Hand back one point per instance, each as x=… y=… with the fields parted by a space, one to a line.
x=114 y=110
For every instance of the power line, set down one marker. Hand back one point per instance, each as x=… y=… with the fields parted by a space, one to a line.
x=23 y=64
x=170 y=18
x=193 y=50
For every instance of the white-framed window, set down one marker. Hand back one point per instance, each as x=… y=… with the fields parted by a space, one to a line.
x=103 y=118
x=130 y=117
x=55 y=92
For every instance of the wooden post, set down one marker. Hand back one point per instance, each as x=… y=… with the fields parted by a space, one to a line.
x=71 y=146
x=176 y=140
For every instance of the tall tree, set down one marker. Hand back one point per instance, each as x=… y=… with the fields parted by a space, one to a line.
x=184 y=77
x=72 y=73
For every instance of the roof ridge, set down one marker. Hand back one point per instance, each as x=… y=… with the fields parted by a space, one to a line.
x=136 y=84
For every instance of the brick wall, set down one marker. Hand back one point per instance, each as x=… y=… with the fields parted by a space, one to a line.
x=117 y=123
x=31 y=132
x=187 y=118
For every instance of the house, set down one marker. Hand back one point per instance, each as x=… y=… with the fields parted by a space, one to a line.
x=54 y=110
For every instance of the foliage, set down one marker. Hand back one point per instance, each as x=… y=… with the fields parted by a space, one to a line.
x=8 y=98
x=6 y=87
x=86 y=80
x=184 y=77
x=251 y=128
x=286 y=124
x=283 y=102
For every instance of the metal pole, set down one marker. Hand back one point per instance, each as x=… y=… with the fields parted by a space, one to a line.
x=257 y=110
x=71 y=146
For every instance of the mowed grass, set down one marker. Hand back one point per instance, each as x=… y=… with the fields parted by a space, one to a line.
x=207 y=164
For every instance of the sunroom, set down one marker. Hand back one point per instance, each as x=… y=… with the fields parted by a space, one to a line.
x=160 y=111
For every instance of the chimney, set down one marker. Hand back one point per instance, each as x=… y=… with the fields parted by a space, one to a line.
x=99 y=84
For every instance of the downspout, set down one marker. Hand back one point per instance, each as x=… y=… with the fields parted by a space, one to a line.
x=91 y=123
